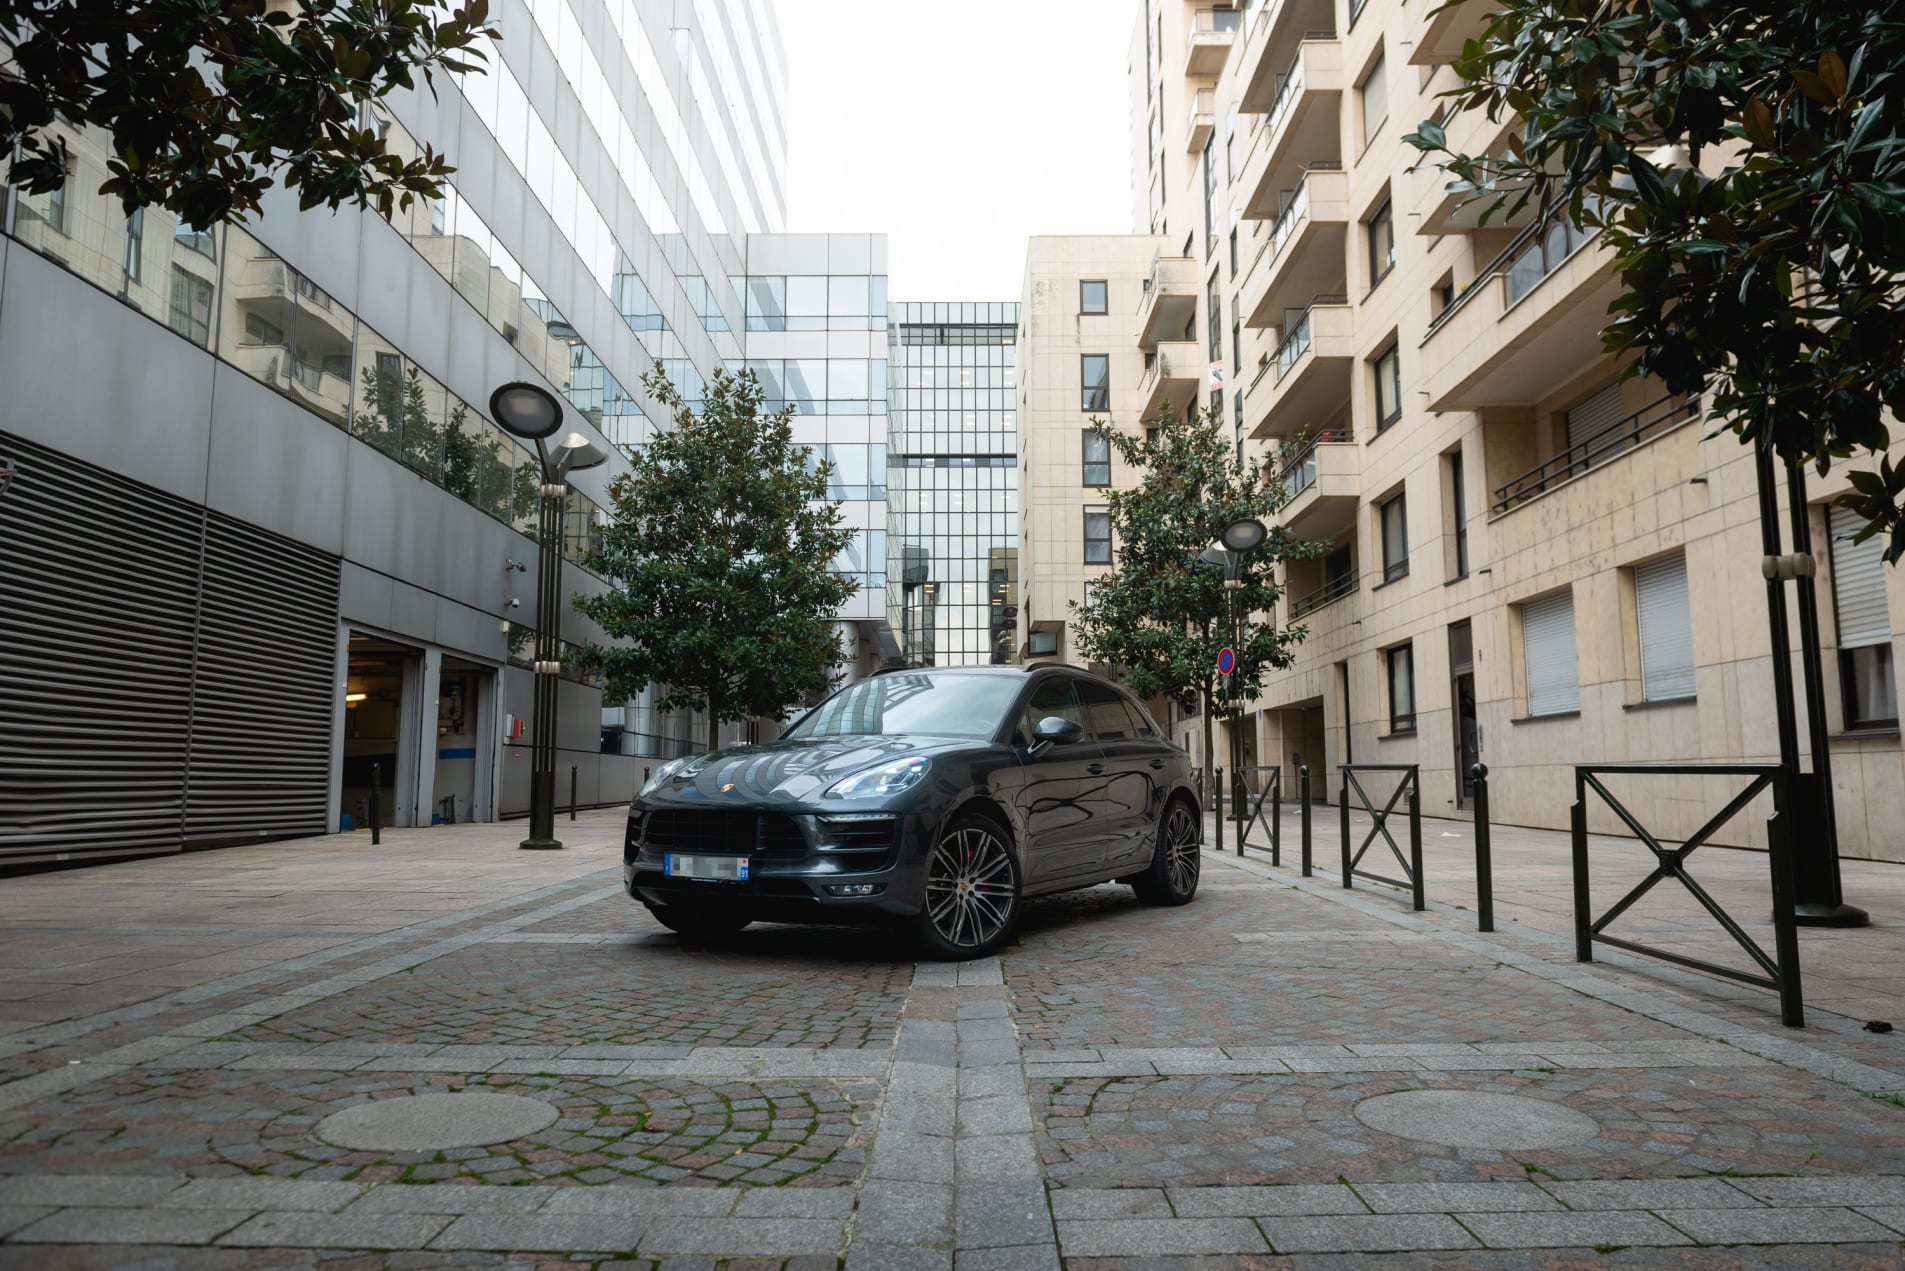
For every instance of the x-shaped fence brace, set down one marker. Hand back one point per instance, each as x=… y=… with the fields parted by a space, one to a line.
x=1271 y=793
x=1781 y=970
x=1412 y=864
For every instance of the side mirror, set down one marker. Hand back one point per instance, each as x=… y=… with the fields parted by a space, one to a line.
x=1056 y=730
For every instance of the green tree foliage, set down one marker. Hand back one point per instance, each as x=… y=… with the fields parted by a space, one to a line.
x=206 y=104
x=1772 y=277
x=1161 y=614
x=721 y=557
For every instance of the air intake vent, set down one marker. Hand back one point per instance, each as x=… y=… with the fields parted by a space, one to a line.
x=743 y=833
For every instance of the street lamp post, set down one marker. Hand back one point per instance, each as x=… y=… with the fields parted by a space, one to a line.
x=1238 y=539
x=534 y=415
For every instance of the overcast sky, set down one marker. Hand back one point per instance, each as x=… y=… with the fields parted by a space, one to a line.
x=958 y=131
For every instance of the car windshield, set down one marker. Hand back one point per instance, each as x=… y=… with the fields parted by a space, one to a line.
x=913 y=702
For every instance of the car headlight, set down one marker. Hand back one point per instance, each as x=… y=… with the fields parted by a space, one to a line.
x=874 y=783
x=660 y=775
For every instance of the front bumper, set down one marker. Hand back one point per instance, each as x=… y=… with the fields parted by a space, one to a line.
x=790 y=871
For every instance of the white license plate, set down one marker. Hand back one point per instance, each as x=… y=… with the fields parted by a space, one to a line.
x=724 y=869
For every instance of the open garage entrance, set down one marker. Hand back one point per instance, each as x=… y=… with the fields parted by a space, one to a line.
x=380 y=731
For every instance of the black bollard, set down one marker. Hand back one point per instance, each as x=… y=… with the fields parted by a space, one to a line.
x=1303 y=776
x=376 y=800
x=1484 y=864
x=572 y=792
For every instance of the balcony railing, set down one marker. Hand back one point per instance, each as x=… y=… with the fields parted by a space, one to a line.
x=1218 y=21
x=1328 y=594
x=1297 y=342
x=1529 y=257
x=1591 y=452
x=1299 y=474
x=1203 y=102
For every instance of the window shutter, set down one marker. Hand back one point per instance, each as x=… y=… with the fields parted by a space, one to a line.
x=1858 y=583
x=1595 y=415
x=1547 y=641
x=1666 y=629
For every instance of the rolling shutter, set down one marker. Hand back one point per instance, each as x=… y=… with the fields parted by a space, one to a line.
x=1547 y=637
x=1858 y=583
x=1587 y=423
x=1666 y=629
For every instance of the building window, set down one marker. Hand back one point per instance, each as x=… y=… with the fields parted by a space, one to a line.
x=1382 y=243
x=1233 y=250
x=194 y=240
x=1097 y=458
x=191 y=308
x=1395 y=538
x=1375 y=97
x=1665 y=620
x=1458 y=512
x=1214 y=319
x=1095 y=372
x=1867 y=678
x=1097 y=536
x=1388 y=387
x=1091 y=296
x=1547 y=648
x=135 y=243
x=56 y=201
x=1402 y=688
x=1041 y=644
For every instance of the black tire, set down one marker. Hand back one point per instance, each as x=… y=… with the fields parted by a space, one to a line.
x=698 y=924
x=972 y=895
x=1176 y=862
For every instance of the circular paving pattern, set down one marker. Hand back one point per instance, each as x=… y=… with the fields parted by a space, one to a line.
x=1473 y=1118
x=434 y=1122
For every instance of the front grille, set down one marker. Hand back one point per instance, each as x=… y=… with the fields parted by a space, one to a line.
x=712 y=830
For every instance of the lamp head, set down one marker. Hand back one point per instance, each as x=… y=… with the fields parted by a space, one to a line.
x=526 y=411
x=574 y=453
x=1245 y=535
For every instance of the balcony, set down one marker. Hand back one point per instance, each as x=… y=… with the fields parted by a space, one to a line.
x=1449 y=27
x=1328 y=594
x=1322 y=485
x=1303 y=254
x=1652 y=420
x=1169 y=300
x=1531 y=320
x=1203 y=118
x=1271 y=41
x=1444 y=211
x=1307 y=380
x=1213 y=31
x=1301 y=126
x=1172 y=377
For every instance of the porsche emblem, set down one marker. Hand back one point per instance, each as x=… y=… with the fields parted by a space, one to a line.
x=729 y=786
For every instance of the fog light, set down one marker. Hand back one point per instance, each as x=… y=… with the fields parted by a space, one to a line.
x=855 y=889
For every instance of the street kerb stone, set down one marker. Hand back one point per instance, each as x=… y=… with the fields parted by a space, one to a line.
x=426 y=1122
x=1476 y=1119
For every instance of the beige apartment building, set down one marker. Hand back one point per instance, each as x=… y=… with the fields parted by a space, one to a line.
x=1533 y=563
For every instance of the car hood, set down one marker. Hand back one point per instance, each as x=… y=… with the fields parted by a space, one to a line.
x=795 y=769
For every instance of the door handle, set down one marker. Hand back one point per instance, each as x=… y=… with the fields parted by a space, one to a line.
x=1094 y=768
x=1158 y=764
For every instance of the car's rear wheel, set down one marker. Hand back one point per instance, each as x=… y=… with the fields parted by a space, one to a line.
x=1175 y=865
x=698 y=924
x=972 y=892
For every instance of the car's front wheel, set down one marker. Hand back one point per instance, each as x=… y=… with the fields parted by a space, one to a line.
x=1175 y=864
x=698 y=924
x=972 y=892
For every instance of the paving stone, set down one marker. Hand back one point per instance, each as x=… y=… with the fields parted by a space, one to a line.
x=1442 y=1198
x=981 y=1083
x=904 y=1213
x=84 y=1226
x=337 y=1231
x=1151 y=1237
x=1775 y=1226
x=1110 y=1202
x=997 y=1158
x=999 y=1114
x=1564 y=1230
x=263 y=1193
x=863 y=1255
x=984 y=1053
x=996 y=1214
x=1825 y=1191
x=795 y=1202
x=129 y=1190
x=904 y=1156
x=1652 y=1193
x=555 y=1233
x=983 y=971
x=14 y=1217
x=1011 y=1258
x=1296 y=1199
x=1374 y=1233
x=646 y=1202
x=400 y=1199
x=736 y=1237
x=1892 y=1216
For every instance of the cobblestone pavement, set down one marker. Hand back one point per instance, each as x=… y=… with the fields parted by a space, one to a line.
x=1124 y=1088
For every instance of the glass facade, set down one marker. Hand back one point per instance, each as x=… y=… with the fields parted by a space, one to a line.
x=952 y=589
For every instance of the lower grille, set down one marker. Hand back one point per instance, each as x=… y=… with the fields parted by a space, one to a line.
x=709 y=830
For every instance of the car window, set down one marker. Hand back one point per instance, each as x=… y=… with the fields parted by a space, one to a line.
x=1053 y=695
x=1141 y=725
x=913 y=702
x=1105 y=718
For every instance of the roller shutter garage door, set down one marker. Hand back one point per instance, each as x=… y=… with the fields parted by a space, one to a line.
x=165 y=671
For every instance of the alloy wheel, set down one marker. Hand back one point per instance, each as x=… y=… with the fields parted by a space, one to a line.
x=1181 y=856
x=969 y=892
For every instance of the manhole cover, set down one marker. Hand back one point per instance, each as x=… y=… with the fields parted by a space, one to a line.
x=432 y=1122
x=1467 y=1118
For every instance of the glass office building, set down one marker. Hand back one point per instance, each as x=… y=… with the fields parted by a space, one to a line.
x=952 y=582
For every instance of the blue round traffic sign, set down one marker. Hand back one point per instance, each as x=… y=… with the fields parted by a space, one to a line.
x=1226 y=661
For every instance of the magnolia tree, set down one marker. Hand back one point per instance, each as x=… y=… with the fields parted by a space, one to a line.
x=1745 y=164
x=1162 y=614
x=721 y=559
